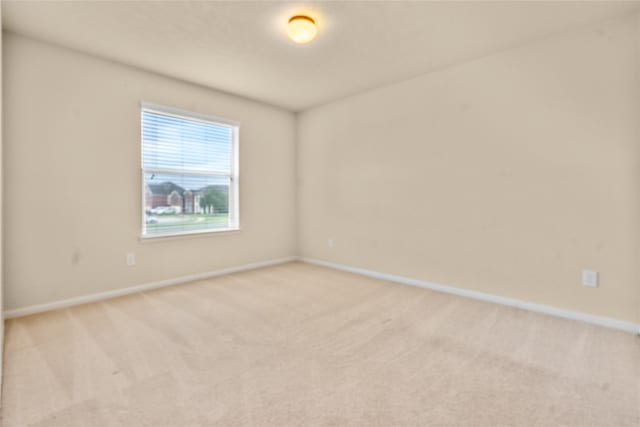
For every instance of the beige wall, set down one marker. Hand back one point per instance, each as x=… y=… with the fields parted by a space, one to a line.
x=73 y=198
x=507 y=175
x=1 y=223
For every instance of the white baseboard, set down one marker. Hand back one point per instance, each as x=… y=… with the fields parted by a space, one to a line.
x=23 y=311
x=607 y=322
x=467 y=293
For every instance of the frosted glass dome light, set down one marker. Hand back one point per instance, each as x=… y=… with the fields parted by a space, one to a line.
x=301 y=29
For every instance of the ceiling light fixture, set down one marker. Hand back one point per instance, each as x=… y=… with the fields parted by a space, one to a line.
x=301 y=29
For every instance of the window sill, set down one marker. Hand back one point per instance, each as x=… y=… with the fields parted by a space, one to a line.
x=187 y=235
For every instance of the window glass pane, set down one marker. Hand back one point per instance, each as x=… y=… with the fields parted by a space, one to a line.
x=178 y=203
x=177 y=143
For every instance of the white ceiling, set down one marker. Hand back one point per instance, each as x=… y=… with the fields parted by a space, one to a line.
x=242 y=48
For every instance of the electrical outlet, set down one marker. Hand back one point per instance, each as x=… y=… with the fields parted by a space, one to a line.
x=330 y=243
x=590 y=278
x=131 y=259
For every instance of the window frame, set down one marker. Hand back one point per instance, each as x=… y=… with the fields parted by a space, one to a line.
x=234 y=175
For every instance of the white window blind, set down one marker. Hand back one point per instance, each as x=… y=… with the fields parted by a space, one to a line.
x=189 y=172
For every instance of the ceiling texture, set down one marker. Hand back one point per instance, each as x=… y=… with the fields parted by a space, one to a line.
x=242 y=48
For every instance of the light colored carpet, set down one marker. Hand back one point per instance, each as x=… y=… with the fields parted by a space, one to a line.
x=300 y=345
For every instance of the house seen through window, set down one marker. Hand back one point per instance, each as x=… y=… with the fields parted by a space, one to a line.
x=189 y=172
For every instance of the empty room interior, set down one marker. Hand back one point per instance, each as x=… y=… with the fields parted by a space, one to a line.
x=333 y=213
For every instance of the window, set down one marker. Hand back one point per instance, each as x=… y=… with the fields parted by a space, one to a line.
x=189 y=173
